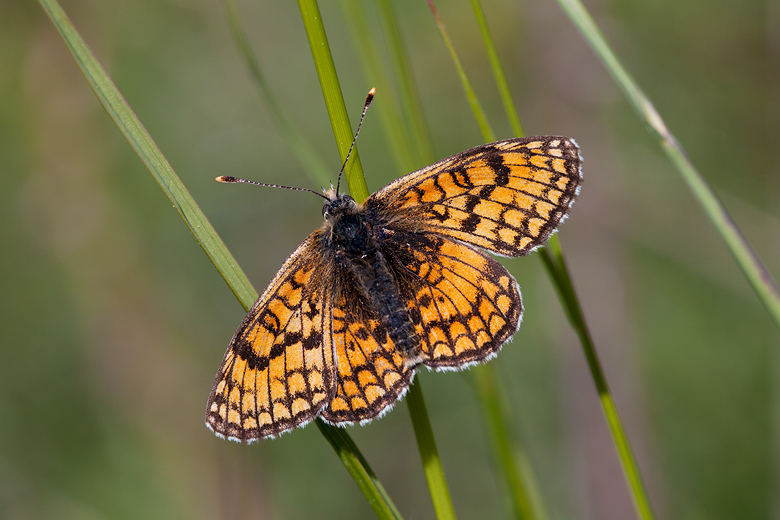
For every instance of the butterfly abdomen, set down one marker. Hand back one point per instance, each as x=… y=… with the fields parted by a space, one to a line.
x=380 y=288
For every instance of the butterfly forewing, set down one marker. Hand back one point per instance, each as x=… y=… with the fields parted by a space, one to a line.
x=506 y=197
x=278 y=371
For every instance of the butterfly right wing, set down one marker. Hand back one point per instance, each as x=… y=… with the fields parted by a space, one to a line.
x=505 y=197
x=278 y=372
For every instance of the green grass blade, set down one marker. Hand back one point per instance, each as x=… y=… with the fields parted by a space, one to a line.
x=515 y=470
x=330 y=85
x=334 y=100
x=135 y=133
x=754 y=269
x=498 y=70
x=434 y=472
x=556 y=264
x=361 y=472
x=313 y=164
x=410 y=97
x=471 y=96
x=387 y=104
x=510 y=458
x=329 y=81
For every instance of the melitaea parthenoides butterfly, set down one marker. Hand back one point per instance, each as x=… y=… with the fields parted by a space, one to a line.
x=396 y=282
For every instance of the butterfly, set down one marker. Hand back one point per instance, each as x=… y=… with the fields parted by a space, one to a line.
x=396 y=282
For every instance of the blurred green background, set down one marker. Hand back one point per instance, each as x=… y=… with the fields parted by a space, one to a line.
x=113 y=321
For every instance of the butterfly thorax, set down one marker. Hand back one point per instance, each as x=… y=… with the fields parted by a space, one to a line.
x=355 y=238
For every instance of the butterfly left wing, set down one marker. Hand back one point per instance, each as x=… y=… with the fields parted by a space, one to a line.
x=371 y=372
x=505 y=197
x=278 y=372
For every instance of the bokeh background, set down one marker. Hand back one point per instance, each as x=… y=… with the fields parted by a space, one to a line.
x=113 y=321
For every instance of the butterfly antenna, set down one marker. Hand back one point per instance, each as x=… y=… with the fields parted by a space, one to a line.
x=232 y=180
x=369 y=99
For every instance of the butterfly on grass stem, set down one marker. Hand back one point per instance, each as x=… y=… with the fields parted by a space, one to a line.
x=396 y=282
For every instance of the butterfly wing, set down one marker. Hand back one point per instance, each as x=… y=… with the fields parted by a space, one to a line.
x=278 y=372
x=505 y=197
x=463 y=303
x=371 y=373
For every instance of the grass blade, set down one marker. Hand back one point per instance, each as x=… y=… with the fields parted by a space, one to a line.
x=434 y=472
x=410 y=97
x=471 y=96
x=556 y=266
x=127 y=122
x=510 y=459
x=340 y=122
x=135 y=133
x=336 y=109
x=361 y=472
x=334 y=100
x=498 y=70
x=371 y=61
x=310 y=159
x=748 y=260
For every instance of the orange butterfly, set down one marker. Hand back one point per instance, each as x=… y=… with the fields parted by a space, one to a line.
x=385 y=286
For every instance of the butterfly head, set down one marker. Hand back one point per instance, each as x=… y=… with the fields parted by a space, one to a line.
x=337 y=204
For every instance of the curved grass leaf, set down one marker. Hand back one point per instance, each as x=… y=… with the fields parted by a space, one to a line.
x=127 y=122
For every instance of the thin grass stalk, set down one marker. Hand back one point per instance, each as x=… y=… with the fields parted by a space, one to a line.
x=334 y=99
x=471 y=96
x=559 y=273
x=498 y=70
x=515 y=470
x=326 y=71
x=140 y=140
x=511 y=461
x=434 y=472
x=360 y=471
x=410 y=97
x=312 y=163
x=387 y=104
x=556 y=264
x=752 y=266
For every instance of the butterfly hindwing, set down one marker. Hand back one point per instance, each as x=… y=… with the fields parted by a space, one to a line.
x=464 y=304
x=371 y=372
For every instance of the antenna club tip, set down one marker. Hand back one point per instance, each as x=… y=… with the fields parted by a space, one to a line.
x=370 y=96
x=225 y=178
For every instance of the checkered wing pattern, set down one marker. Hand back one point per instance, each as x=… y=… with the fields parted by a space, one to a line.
x=464 y=304
x=278 y=372
x=408 y=266
x=371 y=372
x=506 y=197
